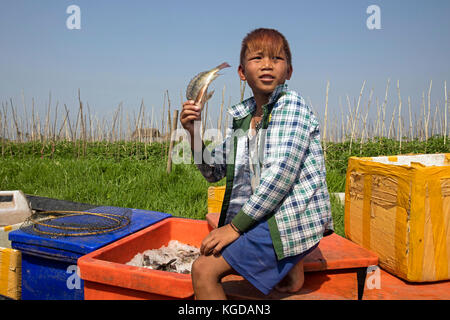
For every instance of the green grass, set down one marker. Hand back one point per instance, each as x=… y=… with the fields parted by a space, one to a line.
x=133 y=175
x=338 y=153
x=337 y=211
x=126 y=183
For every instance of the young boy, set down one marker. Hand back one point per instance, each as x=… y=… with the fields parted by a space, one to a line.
x=276 y=207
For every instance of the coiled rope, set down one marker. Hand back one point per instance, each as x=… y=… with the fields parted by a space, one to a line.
x=120 y=221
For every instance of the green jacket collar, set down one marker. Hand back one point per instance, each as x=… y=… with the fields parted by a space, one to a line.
x=246 y=107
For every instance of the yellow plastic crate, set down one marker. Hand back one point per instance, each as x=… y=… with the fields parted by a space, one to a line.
x=10 y=272
x=215 y=198
x=399 y=208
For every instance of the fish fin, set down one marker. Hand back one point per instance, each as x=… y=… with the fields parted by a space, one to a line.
x=206 y=96
x=209 y=95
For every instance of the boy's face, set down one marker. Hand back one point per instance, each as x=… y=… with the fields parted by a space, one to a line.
x=264 y=73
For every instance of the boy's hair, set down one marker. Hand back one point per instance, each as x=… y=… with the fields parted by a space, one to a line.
x=270 y=41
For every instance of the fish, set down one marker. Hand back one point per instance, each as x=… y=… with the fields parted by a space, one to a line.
x=167 y=266
x=198 y=86
x=175 y=257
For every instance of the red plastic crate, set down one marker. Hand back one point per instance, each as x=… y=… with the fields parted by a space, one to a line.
x=106 y=276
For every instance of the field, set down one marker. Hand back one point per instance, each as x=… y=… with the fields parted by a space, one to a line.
x=115 y=162
x=135 y=175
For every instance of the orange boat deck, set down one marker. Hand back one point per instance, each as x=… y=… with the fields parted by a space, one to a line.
x=341 y=285
x=339 y=269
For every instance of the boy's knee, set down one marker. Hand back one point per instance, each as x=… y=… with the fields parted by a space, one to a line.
x=199 y=268
x=196 y=267
x=202 y=269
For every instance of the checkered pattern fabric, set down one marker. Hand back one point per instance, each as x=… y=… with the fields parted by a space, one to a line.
x=292 y=187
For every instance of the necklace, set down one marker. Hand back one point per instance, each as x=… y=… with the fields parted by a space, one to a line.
x=254 y=132
x=258 y=125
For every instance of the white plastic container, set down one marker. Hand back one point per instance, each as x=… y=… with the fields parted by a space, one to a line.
x=4 y=234
x=15 y=211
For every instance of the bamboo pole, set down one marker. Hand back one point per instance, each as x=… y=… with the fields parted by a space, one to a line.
x=410 y=120
x=64 y=124
x=151 y=124
x=378 y=123
x=365 y=130
x=137 y=127
x=391 y=125
x=4 y=130
x=429 y=110
x=27 y=131
x=76 y=125
x=173 y=128
x=349 y=117
x=144 y=125
x=17 y=124
x=98 y=132
x=325 y=122
x=169 y=120
x=14 y=115
x=90 y=123
x=342 y=120
x=128 y=127
x=84 y=145
x=434 y=127
x=163 y=115
x=47 y=118
x=384 y=107
x=138 y=130
x=169 y=125
x=33 y=128
x=70 y=126
x=219 y=122
x=440 y=124
x=399 y=129
x=445 y=112
x=424 y=117
x=225 y=127
x=55 y=121
x=121 y=133
x=357 y=108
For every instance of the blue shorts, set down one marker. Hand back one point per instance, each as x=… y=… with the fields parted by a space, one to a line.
x=252 y=255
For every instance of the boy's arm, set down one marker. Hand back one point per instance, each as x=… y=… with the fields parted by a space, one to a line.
x=214 y=168
x=213 y=163
x=289 y=143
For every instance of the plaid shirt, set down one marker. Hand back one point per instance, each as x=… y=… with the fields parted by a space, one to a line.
x=292 y=193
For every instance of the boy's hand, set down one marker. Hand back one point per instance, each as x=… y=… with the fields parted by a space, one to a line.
x=190 y=113
x=217 y=239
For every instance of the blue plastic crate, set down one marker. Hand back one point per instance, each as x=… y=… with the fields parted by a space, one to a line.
x=49 y=264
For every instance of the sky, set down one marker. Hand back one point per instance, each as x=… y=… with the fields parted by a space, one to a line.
x=133 y=51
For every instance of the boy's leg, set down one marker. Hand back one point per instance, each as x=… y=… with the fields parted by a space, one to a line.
x=207 y=273
x=294 y=280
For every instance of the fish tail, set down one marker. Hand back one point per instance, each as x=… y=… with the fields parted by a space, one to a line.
x=223 y=65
